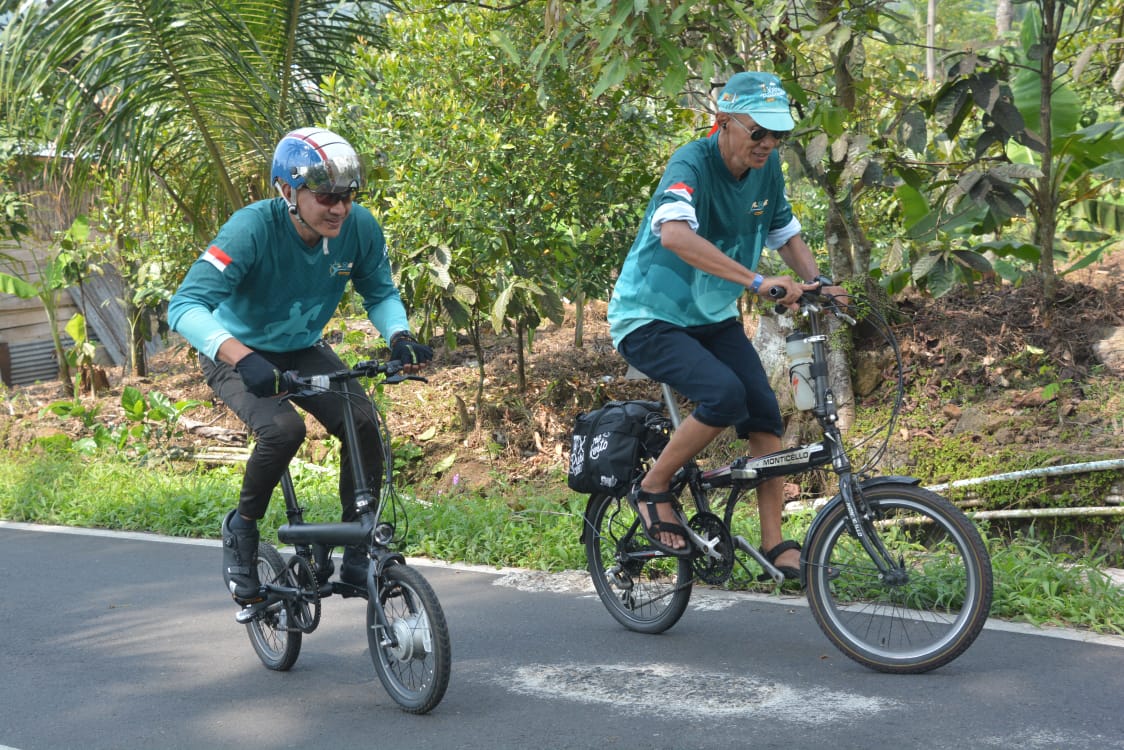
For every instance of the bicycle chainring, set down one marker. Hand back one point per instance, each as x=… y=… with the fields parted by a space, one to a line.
x=716 y=565
x=305 y=608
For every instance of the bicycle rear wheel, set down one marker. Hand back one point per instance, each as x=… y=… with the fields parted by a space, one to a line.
x=273 y=632
x=926 y=612
x=644 y=589
x=413 y=659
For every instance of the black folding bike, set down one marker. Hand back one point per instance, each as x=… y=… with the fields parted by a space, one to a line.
x=407 y=635
x=897 y=577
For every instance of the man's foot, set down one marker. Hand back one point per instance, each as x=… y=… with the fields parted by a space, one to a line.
x=786 y=558
x=353 y=569
x=662 y=524
x=240 y=559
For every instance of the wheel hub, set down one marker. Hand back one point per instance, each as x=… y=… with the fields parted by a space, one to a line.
x=412 y=638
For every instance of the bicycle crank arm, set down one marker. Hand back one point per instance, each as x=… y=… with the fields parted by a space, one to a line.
x=758 y=557
x=708 y=547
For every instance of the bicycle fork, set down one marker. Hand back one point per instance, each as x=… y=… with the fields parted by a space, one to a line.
x=859 y=515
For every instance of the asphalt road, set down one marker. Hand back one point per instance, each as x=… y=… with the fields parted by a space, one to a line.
x=122 y=642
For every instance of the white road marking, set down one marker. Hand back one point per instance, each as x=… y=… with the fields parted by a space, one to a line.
x=689 y=695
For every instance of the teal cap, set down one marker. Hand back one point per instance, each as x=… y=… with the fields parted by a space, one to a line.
x=759 y=95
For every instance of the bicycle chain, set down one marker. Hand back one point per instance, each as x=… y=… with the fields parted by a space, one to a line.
x=305 y=610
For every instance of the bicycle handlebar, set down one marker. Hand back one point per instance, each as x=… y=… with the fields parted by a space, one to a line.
x=302 y=385
x=812 y=301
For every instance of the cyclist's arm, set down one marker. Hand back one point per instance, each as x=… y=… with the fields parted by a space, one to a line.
x=798 y=256
x=232 y=351
x=697 y=251
x=373 y=281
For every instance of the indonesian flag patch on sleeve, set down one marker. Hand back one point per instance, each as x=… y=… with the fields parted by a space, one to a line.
x=217 y=258
x=681 y=190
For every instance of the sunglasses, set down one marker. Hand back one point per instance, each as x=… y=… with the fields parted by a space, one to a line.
x=758 y=134
x=331 y=199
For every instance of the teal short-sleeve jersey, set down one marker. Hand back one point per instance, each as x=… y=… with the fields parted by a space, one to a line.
x=736 y=215
x=261 y=283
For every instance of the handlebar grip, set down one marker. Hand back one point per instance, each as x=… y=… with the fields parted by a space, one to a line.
x=777 y=292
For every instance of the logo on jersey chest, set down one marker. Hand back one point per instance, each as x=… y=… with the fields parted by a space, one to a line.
x=758 y=207
x=340 y=269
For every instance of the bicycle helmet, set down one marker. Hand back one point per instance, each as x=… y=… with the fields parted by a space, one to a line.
x=316 y=159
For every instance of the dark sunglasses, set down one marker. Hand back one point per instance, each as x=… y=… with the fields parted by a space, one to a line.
x=758 y=134
x=331 y=199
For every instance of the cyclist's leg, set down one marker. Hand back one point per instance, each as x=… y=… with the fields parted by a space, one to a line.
x=763 y=427
x=680 y=357
x=328 y=410
x=279 y=431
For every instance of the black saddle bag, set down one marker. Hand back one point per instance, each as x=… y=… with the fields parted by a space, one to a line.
x=611 y=445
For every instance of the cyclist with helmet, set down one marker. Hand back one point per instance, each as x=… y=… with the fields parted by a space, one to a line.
x=255 y=304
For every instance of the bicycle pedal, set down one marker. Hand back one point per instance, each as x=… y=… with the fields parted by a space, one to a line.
x=250 y=611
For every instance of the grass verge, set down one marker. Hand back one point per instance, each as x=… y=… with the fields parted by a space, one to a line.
x=518 y=526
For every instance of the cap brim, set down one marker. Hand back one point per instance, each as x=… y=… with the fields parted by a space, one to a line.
x=773 y=120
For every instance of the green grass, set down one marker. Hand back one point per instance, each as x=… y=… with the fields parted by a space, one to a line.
x=525 y=525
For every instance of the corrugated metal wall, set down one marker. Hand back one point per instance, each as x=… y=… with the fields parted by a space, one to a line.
x=35 y=361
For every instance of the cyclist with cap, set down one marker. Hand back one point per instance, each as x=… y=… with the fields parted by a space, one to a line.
x=673 y=312
x=255 y=304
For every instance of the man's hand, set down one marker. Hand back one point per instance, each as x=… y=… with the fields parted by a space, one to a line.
x=409 y=351
x=792 y=290
x=260 y=376
x=828 y=288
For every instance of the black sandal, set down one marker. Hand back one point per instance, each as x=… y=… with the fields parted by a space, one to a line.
x=790 y=573
x=656 y=526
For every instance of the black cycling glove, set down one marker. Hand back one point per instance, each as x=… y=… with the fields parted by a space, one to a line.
x=407 y=350
x=260 y=376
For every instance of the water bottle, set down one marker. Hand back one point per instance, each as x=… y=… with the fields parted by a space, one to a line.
x=800 y=370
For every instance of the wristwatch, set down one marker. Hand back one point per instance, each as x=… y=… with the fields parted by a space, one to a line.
x=821 y=280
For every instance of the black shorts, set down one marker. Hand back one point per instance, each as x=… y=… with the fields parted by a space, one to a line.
x=715 y=366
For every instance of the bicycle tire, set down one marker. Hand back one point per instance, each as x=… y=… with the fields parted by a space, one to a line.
x=414 y=665
x=921 y=622
x=273 y=634
x=645 y=594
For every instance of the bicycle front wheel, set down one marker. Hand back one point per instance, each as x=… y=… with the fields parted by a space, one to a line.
x=412 y=655
x=273 y=632
x=931 y=605
x=644 y=589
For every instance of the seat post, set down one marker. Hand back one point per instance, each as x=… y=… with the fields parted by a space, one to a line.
x=672 y=407
x=668 y=395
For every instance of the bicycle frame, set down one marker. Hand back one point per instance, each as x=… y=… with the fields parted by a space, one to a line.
x=367 y=531
x=747 y=473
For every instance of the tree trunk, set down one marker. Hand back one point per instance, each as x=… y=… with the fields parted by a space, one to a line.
x=478 y=347
x=520 y=359
x=1003 y=15
x=137 y=356
x=931 y=42
x=1047 y=206
x=838 y=239
x=579 y=319
x=137 y=331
